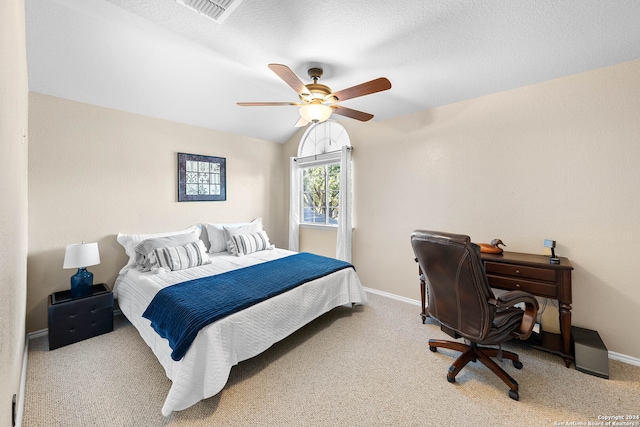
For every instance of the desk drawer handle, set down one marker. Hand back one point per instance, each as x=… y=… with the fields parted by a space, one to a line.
x=517 y=271
x=517 y=285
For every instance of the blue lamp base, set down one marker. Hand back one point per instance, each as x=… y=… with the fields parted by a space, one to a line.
x=81 y=283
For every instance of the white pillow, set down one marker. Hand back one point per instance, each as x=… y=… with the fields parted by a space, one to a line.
x=182 y=257
x=145 y=256
x=130 y=241
x=243 y=244
x=218 y=237
x=253 y=227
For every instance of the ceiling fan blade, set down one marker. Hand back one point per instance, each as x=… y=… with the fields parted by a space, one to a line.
x=351 y=113
x=265 y=104
x=289 y=78
x=373 y=86
x=301 y=123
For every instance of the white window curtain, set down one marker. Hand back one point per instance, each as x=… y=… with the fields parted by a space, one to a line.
x=343 y=245
x=294 y=205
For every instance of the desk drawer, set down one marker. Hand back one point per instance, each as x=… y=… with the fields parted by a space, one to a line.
x=545 y=274
x=536 y=288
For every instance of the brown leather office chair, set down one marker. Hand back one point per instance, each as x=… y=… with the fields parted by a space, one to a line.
x=461 y=299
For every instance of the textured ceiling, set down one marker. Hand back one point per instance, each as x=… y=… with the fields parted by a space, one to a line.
x=160 y=59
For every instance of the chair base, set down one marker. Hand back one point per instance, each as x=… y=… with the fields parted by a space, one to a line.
x=472 y=353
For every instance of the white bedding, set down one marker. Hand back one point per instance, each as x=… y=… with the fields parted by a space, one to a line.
x=204 y=370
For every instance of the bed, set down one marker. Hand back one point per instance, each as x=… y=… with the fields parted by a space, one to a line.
x=204 y=369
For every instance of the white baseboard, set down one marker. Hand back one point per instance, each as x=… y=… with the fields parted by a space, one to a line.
x=37 y=334
x=612 y=354
x=394 y=296
x=624 y=358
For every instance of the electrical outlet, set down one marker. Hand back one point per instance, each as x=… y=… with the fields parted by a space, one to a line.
x=13 y=411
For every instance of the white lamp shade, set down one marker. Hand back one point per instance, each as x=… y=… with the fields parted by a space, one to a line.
x=315 y=112
x=80 y=255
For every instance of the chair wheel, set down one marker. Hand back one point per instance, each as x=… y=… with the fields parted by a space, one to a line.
x=514 y=395
x=451 y=379
x=518 y=365
x=432 y=348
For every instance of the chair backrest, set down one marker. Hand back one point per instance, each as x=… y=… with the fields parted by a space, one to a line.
x=459 y=291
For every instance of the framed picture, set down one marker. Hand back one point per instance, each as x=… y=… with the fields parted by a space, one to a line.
x=201 y=178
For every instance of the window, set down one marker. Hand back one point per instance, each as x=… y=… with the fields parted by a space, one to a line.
x=320 y=184
x=320 y=194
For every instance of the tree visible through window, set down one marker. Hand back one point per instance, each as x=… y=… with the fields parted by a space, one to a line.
x=320 y=194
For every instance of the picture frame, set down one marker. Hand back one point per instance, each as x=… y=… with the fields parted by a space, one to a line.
x=201 y=178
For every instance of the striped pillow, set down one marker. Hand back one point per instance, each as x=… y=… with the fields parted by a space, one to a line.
x=244 y=244
x=182 y=257
x=145 y=256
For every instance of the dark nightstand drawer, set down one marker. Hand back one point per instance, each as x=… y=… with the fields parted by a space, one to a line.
x=73 y=320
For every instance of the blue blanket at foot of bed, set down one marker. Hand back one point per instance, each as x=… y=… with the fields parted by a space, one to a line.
x=178 y=312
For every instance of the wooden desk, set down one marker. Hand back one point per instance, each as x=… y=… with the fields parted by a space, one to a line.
x=534 y=274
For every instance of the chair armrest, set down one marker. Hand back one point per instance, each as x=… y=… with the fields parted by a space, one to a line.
x=511 y=298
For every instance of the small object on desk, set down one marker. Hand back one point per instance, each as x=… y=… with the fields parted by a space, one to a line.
x=491 y=248
x=552 y=244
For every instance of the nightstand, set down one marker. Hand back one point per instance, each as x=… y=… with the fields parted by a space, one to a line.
x=76 y=319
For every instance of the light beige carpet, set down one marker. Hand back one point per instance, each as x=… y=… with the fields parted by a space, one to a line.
x=367 y=366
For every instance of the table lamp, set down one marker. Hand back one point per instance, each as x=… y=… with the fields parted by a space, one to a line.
x=81 y=256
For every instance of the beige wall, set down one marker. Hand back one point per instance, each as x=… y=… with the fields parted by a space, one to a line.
x=13 y=207
x=321 y=242
x=94 y=172
x=557 y=160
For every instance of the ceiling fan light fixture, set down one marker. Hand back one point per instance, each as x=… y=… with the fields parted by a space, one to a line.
x=315 y=113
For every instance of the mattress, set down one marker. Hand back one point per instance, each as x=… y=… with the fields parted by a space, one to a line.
x=205 y=368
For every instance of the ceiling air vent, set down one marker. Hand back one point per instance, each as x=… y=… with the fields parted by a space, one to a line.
x=217 y=10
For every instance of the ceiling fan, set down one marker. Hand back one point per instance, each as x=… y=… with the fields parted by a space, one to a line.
x=317 y=101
